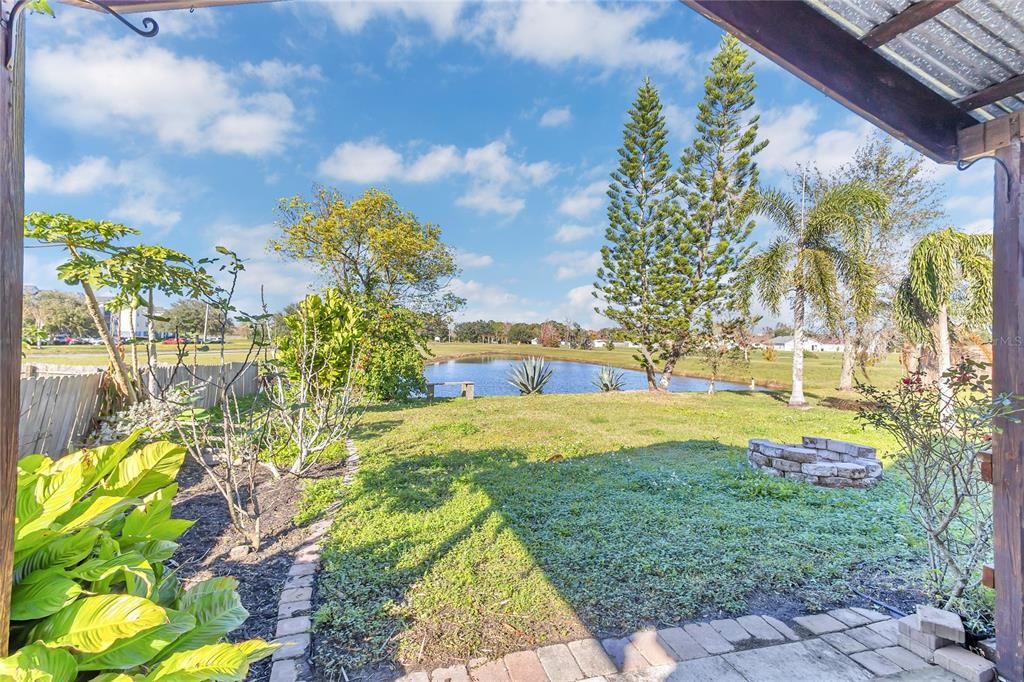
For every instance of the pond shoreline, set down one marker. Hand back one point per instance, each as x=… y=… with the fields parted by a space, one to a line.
x=539 y=351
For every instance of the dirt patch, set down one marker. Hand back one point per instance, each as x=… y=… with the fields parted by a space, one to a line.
x=204 y=548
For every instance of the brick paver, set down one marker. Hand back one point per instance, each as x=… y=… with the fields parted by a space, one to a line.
x=559 y=663
x=907 y=660
x=592 y=658
x=648 y=644
x=879 y=665
x=682 y=644
x=788 y=632
x=843 y=642
x=524 y=666
x=731 y=630
x=492 y=671
x=850 y=617
x=760 y=629
x=820 y=623
x=709 y=638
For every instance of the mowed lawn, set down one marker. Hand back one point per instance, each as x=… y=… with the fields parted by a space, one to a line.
x=475 y=528
x=821 y=370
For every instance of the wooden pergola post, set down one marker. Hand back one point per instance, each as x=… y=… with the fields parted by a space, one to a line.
x=12 y=229
x=1008 y=377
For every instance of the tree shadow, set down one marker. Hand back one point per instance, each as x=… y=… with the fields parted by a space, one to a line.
x=439 y=547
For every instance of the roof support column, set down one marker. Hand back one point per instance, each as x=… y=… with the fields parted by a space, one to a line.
x=1008 y=377
x=12 y=230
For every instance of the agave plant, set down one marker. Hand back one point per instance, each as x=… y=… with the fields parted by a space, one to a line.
x=609 y=380
x=530 y=376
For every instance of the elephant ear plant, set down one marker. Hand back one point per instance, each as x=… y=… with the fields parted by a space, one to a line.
x=92 y=598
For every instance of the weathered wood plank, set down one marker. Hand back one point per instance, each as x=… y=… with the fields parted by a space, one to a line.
x=12 y=206
x=914 y=15
x=992 y=94
x=809 y=45
x=1008 y=377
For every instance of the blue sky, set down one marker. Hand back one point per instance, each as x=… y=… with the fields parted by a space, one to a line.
x=497 y=121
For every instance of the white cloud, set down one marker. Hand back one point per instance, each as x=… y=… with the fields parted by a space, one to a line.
x=497 y=179
x=679 y=120
x=366 y=161
x=557 y=116
x=584 y=202
x=562 y=33
x=793 y=142
x=572 y=233
x=353 y=15
x=573 y=264
x=145 y=191
x=980 y=226
x=184 y=102
x=487 y=301
x=579 y=306
x=468 y=259
x=275 y=73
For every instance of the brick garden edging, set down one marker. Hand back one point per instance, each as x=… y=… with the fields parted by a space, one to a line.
x=295 y=607
x=821 y=461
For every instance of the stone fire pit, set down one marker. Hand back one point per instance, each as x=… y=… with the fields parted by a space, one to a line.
x=821 y=461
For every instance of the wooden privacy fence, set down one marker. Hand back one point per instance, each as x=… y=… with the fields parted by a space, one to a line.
x=56 y=411
x=59 y=404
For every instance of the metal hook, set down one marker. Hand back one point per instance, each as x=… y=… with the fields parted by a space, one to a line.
x=152 y=28
x=964 y=165
x=11 y=24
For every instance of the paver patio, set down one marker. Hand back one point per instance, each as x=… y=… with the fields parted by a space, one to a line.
x=844 y=645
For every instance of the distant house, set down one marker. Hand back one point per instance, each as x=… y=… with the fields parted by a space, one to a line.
x=130 y=322
x=810 y=343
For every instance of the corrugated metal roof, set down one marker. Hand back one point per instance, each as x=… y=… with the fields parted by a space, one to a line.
x=962 y=50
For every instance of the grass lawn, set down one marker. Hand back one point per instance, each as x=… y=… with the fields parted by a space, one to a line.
x=475 y=528
x=97 y=355
x=821 y=370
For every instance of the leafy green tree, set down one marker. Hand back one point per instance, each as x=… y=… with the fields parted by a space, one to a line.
x=97 y=260
x=717 y=193
x=190 y=316
x=913 y=207
x=634 y=280
x=807 y=261
x=391 y=362
x=369 y=248
x=520 y=332
x=59 y=312
x=950 y=276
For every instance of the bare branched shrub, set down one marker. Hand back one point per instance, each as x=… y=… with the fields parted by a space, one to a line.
x=940 y=438
x=314 y=392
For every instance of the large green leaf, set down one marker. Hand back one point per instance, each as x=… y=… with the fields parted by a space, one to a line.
x=152 y=520
x=40 y=503
x=144 y=471
x=97 y=462
x=143 y=647
x=92 y=624
x=36 y=663
x=217 y=609
x=95 y=510
x=61 y=552
x=215 y=662
x=43 y=593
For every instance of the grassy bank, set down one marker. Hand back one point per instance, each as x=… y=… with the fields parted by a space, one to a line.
x=821 y=370
x=486 y=526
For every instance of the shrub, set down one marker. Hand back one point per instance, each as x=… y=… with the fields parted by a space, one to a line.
x=939 y=441
x=530 y=376
x=92 y=598
x=391 y=364
x=609 y=380
x=770 y=354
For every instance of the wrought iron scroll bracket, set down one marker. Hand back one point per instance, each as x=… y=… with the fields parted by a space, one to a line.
x=150 y=27
x=962 y=165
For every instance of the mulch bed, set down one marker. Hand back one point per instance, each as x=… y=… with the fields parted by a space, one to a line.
x=204 y=548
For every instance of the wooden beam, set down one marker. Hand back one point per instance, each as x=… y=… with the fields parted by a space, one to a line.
x=799 y=38
x=992 y=94
x=12 y=230
x=1008 y=442
x=985 y=138
x=914 y=15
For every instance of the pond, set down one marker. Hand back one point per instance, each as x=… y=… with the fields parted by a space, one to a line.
x=489 y=375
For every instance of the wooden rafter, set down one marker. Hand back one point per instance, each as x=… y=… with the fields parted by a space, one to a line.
x=914 y=15
x=992 y=94
x=808 y=44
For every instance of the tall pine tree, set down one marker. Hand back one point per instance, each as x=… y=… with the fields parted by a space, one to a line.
x=634 y=278
x=717 y=192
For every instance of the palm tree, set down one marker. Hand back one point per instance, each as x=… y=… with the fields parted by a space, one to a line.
x=948 y=270
x=818 y=246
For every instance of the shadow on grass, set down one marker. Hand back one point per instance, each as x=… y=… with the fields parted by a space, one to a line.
x=439 y=557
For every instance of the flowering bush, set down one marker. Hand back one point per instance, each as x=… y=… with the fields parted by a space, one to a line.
x=940 y=438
